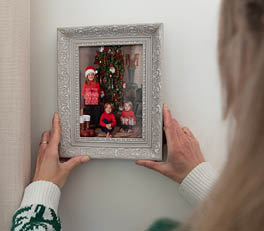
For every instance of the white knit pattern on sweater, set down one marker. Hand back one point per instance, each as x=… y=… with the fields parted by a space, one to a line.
x=38 y=210
x=42 y=192
x=198 y=183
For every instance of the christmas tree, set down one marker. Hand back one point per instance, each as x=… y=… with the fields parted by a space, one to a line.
x=110 y=66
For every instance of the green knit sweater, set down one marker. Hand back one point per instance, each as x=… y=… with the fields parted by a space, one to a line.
x=40 y=218
x=35 y=217
x=38 y=210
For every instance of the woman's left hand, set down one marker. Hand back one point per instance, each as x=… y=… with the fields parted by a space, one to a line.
x=48 y=166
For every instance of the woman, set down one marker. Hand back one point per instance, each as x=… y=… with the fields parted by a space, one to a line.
x=237 y=200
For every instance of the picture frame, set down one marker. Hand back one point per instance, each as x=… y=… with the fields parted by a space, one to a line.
x=137 y=83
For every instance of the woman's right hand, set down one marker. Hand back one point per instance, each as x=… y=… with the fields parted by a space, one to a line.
x=184 y=152
x=48 y=166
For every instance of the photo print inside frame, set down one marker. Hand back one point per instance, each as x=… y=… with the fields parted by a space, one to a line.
x=111 y=91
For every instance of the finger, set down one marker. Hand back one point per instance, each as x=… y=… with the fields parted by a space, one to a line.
x=188 y=132
x=56 y=130
x=176 y=127
x=166 y=115
x=75 y=161
x=168 y=119
x=150 y=164
x=44 y=140
x=173 y=132
x=44 y=136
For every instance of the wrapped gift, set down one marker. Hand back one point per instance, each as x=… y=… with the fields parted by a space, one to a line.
x=131 y=121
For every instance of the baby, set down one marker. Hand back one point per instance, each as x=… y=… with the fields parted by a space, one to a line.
x=128 y=119
x=108 y=120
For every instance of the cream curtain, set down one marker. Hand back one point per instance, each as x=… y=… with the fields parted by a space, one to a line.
x=14 y=106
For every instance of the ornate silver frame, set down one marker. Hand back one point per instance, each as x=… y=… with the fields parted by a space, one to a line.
x=68 y=42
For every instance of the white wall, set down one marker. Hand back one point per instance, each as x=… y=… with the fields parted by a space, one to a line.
x=117 y=194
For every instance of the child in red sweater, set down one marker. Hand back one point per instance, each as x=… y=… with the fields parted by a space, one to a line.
x=91 y=93
x=108 y=120
x=128 y=119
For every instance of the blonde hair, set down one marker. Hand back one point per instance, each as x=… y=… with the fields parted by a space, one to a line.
x=237 y=200
x=129 y=103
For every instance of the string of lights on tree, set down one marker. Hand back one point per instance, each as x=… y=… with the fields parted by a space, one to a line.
x=109 y=63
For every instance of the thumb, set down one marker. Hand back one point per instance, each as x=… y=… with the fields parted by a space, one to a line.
x=157 y=166
x=75 y=161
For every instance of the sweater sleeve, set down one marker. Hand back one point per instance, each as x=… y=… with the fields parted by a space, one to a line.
x=98 y=88
x=83 y=88
x=101 y=122
x=122 y=114
x=114 y=121
x=198 y=183
x=133 y=115
x=38 y=209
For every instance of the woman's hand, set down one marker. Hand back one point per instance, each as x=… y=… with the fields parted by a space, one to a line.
x=49 y=167
x=184 y=152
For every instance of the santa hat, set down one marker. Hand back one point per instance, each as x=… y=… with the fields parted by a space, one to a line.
x=90 y=69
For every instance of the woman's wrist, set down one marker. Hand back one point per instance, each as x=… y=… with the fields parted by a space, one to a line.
x=42 y=192
x=198 y=183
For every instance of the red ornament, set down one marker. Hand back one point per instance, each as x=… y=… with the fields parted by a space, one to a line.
x=115 y=96
x=104 y=80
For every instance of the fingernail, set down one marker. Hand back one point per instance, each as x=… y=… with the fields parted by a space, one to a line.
x=85 y=159
x=166 y=106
